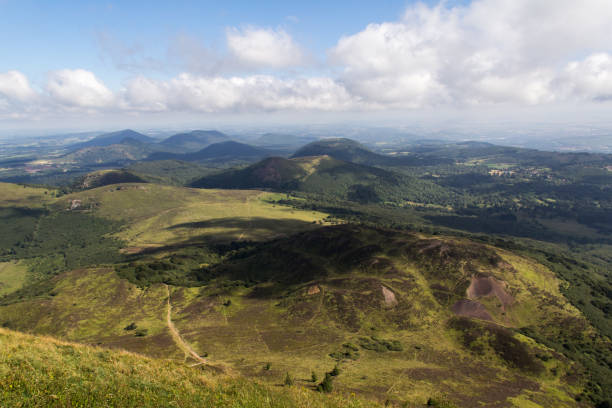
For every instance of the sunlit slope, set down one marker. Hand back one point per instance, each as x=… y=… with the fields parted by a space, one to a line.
x=379 y=303
x=44 y=372
x=12 y=276
x=22 y=196
x=155 y=215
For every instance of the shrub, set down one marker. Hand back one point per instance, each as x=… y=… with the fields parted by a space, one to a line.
x=440 y=402
x=141 y=332
x=327 y=384
x=288 y=380
x=313 y=377
x=335 y=371
x=131 y=326
x=380 y=345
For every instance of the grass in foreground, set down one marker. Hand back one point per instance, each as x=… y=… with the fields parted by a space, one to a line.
x=43 y=372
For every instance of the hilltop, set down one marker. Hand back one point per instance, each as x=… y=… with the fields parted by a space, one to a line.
x=105 y=177
x=194 y=140
x=125 y=151
x=219 y=152
x=280 y=140
x=342 y=149
x=108 y=139
x=352 y=151
x=323 y=175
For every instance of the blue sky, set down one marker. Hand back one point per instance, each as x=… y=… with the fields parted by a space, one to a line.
x=58 y=34
x=93 y=62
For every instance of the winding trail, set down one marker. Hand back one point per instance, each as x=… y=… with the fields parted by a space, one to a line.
x=176 y=336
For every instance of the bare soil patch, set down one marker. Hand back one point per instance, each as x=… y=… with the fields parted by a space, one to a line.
x=485 y=286
x=471 y=308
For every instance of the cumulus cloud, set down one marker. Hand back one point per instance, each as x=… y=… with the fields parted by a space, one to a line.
x=590 y=78
x=78 y=88
x=15 y=86
x=489 y=51
x=188 y=92
x=264 y=47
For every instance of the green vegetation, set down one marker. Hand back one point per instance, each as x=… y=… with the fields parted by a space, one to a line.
x=289 y=315
x=106 y=177
x=162 y=216
x=326 y=385
x=12 y=276
x=171 y=172
x=379 y=345
x=475 y=269
x=43 y=372
x=288 y=380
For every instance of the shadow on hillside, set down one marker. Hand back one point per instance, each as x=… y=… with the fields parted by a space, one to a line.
x=233 y=233
x=249 y=224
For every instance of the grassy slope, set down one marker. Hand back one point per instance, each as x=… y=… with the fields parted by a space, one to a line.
x=155 y=215
x=12 y=276
x=296 y=331
x=43 y=372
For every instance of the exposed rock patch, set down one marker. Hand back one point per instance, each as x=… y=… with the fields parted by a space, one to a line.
x=389 y=296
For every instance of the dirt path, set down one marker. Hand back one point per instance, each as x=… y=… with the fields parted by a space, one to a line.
x=176 y=336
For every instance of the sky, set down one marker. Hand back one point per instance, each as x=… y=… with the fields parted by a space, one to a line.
x=94 y=64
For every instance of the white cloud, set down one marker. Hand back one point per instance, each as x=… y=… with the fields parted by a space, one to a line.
x=78 y=88
x=490 y=51
x=590 y=78
x=15 y=86
x=264 y=48
x=188 y=92
x=145 y=94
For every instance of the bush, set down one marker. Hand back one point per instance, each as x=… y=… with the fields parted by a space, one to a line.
x=313 y=377
x=327 y=384
x=440 y=402
x=131 y=326
x=380 y=345
x=141 y=332
x=288 y=380
x=335 y=371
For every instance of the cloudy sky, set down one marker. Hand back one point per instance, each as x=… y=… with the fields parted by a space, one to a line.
x=89 y=63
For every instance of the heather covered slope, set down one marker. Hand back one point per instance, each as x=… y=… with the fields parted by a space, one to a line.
x=380 y=304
